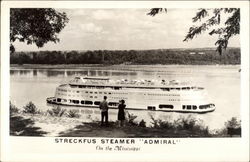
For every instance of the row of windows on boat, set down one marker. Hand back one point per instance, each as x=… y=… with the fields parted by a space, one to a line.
x=91 y=92
x=109 y=97
x=89 y=96
x=194 y=107
x=184 y=107
x=161 y=106
x=119 y=88
x=85 y=102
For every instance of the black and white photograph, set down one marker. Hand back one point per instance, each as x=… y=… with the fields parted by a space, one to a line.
x=158 y=75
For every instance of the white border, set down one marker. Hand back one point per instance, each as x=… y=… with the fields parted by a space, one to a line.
x=201 y=149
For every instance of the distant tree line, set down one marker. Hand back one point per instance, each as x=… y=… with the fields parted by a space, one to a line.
x=160 y=56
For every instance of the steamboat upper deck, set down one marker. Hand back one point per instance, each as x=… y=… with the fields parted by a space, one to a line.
x=83 y=82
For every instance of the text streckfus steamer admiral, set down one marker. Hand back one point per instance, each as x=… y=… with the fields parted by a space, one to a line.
x=115 y=141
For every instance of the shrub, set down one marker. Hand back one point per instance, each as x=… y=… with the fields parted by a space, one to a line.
x=187 y=123
x=233 y=123
x=161 y=124
x=165 y=124
x=58 y=111
x=130 y=120
x=233 y=126
x=73 y=114
x=13 y=109
x=142 y=123
x=30 y=108
x=155 y=123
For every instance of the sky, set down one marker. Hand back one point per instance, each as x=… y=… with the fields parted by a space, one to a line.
x=127 y=29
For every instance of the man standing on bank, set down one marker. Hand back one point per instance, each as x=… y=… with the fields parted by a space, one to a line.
x=104 y=110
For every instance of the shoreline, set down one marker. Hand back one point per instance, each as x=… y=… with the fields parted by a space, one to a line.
x=83 y=66
x=52 y=123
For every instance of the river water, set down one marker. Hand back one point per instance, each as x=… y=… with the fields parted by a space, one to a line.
x=221 y=82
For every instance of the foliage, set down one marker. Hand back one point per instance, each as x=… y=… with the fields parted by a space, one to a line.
x=13 y=109
x=163 y=56
x=233 y=123
x=188 y=123
x=142 y=123
x=73 y=114
x=158 y=123
x=155 y=11
x=231 y=25
x=30 y=108
x=35 y=25
x=58 y=111
x=131 y=120
x=232 y=127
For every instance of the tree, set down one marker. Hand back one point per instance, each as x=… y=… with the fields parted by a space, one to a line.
x=35 y=25
x=231 y=28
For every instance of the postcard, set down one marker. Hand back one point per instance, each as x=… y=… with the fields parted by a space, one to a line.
x=124 y=81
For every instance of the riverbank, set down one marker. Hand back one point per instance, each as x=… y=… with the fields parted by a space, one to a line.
x=158 y=56
x=59 y=122
x=74 y=66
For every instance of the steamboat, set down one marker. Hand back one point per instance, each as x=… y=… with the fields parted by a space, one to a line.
x=85 y=91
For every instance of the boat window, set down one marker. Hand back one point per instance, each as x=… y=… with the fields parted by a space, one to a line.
x=166 y=106
x=194 y=107
x=91 y=96
x=109 y=92
x=73 y=86
x=165 y=89
x=151 y=107
x=97 y=102
x=105 y=92
x=88 y=102
x=117 y=88
x=95 y=92
x=183 y=106
x=178 y=88
x=113 y=104
x=204 y=106
x=189 y=107
x=90 y=92
x=75 y=101
x=77 y=91
x=82 y=102
x=100 y=92
x=100 y=87
x=58 y=100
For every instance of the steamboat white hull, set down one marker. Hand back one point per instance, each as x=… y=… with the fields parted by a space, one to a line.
x=52 y=100
x=168 y=98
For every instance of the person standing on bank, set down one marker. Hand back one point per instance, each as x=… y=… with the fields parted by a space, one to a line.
x=104 y=110
x=121 y=112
